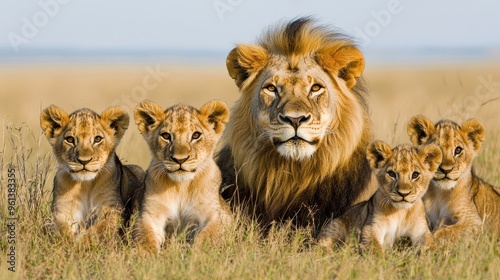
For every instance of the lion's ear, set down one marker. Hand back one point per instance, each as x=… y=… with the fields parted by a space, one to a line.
x=420 y=129
x=245 y=60
x=117 y=119
x=474 y=131
x=347 y=62
x=432 y=156
x=53 y=121
x=377 y=153
x=217 y=114
x=148 y=116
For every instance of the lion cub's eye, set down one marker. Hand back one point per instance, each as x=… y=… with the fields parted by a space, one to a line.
x=415 y=175
x=70 y=139
x=458 y=150
x=97 y=139
x=196 y=135
x=166 y=136
x=392 y=174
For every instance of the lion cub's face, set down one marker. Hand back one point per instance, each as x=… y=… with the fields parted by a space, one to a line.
x=181 y=138
x=83 y=141
x=403 y=173
x=459 y=144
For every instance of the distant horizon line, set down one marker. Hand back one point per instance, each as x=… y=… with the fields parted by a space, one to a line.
x=376 y=55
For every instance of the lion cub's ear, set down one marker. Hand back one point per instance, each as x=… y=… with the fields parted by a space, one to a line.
x=148 y=115
x=216 y=113
x=431 y=155
x=117 y=119
x=474 y=131
x=420 y=129
x=53 y=121
x=245 y=60
x=377 y=153
x=347 y=62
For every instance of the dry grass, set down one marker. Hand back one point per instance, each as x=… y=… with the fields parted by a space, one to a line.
x=397 y=94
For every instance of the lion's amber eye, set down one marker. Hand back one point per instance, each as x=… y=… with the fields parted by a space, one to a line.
x=392 y=174
x=196 y=135
x=458 y=150
x=316 y=88
x=271 y=88
x=70 y=139
x=97 y=139
x=166 y=136
x=415 y=175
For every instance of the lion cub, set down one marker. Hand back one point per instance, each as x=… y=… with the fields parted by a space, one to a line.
x=182 y=182
x=396 y=209
x=92 y=189
x=458 y=202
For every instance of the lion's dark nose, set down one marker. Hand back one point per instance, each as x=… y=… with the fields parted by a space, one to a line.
x=445 y=171
x=83 y=161
x=180 y=160
x=403 y=193
x=294 y=121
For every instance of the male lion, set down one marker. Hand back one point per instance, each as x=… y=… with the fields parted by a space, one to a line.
x=458 y=202
x=294 y=147
x=93 y=191
x=396 y=210
x=182 y=182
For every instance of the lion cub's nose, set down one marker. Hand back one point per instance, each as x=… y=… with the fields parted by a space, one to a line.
x=83 y=161
x=403 y=193
x=180 y=160
x=294 y=121
x=444 y=170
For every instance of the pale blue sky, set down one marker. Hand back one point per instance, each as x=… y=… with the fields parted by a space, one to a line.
x=197 y=25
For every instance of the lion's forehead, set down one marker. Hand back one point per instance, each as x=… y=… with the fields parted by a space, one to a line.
x=303 y=73
x=291 y=81
x=84 y=123
x=404 y=159
x=447 y=135
x=181 y=120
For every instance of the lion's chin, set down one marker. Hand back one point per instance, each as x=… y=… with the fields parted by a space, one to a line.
x=181 y=176
x=445 y=184
x=403 y=204
x=84 y=175
x=297 y=150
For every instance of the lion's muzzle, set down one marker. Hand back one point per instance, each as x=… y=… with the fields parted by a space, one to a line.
x=294 y=121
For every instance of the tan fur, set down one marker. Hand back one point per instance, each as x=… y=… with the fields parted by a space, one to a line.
x=458 y=202
x=396 y=210
x=182 y=182
x=298 y=152
x=92 y=189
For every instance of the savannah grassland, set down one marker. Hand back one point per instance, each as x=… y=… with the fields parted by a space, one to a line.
x=397 y=93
